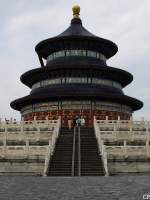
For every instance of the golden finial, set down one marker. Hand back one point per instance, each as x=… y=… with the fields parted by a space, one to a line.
x=76 y=11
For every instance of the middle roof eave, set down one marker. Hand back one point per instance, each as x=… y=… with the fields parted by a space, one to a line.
x=38 y=74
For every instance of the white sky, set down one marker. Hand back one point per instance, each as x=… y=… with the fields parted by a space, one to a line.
x=26 y=22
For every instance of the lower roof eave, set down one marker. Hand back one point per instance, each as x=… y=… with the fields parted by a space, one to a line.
x=135 y=104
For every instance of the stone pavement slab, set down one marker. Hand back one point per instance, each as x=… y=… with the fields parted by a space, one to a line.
x=67 y=188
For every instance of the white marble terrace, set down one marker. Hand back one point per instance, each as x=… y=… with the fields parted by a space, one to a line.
x=34 y=140
x=123 y=139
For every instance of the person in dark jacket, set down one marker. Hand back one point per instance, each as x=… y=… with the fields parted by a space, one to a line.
x=75 y=121
x=78 y=122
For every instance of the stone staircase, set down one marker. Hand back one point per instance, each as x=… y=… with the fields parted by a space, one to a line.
x=61 y=162
x=86 y=159
x=91 y=163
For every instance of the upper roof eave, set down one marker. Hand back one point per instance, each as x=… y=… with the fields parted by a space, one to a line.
x=41 y=48
x=29 y=75
x=60 y=38
x=74 y=32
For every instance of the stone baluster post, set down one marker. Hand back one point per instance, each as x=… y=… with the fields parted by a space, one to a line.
x=106 y=120
x=131 y=132
x=38 y=133
x=35 y=120
x=27 y=149
x=125 y=148
x=147 y=148
x=115 y=131
x=4 y=153
x=46 y=120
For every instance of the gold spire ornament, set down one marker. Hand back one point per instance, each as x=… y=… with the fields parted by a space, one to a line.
x=76 y=11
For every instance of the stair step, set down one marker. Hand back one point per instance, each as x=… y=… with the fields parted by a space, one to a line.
x=61 y=161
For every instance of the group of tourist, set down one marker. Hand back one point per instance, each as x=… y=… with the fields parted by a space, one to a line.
x=76 y=122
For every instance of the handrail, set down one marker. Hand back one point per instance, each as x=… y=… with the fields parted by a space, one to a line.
x=101 y=147
x=79 y=152
x=47 y=160
x=51 y=146
x=73 y=151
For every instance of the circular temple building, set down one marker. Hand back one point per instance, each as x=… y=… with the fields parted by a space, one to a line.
x=76 y=80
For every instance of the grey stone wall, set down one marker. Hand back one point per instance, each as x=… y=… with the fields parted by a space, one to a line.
x=22 y=168
x=128 y=167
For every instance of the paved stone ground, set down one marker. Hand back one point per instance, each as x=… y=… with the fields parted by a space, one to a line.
x=88 y=188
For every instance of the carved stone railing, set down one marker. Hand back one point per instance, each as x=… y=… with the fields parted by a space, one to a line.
x=22 y=152
x=134 y=137
x=51 y=147
x=101 y=147
x=26 y=130
x=124 y=125
x=6 y=124
x=129 y=151
x=125 y=135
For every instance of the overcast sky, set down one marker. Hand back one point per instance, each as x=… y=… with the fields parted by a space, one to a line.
x=26 y=22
